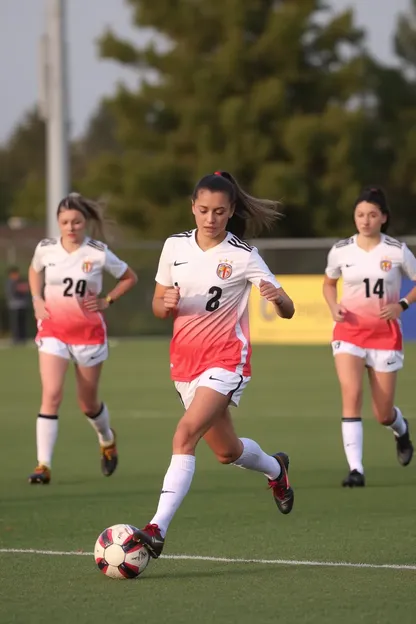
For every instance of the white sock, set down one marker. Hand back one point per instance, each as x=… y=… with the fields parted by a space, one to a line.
x=352 y=437
x=399 y=426
x=176 y=485
x=254 y=458
x=46 y=435
x=101 y=424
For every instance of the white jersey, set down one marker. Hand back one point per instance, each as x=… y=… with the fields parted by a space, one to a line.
x=371 y=279
x=68 y=278
x=211 y=326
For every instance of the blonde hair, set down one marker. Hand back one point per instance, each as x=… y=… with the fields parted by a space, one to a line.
x=251 y=215
x=92 y=211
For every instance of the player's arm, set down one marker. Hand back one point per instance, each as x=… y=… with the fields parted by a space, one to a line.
x=259 y=274
x=409 y=269
x=330 y=291
x=165 y=300
x=329 y=288
x=125 y=283
x=166 y=296
x=36 y=283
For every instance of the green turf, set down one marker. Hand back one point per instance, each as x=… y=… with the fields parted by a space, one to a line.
x=291 y=404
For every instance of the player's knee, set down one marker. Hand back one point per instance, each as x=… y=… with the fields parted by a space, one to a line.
x=185 y=438
x=52 y=398
x=89 y=408
x=227 y=457
x=385 y=416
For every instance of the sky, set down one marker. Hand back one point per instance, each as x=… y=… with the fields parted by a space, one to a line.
x=90 y=78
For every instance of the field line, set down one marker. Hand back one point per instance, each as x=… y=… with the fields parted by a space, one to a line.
x=282 y=562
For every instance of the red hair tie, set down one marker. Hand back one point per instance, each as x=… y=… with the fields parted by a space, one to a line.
x=217 y=173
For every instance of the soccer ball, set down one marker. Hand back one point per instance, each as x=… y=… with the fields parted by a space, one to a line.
x=117 y=555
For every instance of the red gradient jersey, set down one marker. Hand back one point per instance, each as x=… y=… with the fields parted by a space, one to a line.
x=371 y=279
x=211 y=328
x=68 y=278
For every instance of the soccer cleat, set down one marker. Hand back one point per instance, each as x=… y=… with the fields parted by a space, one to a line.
x=283 y=494
x=41 y=474
x=354 y=479
x=404 y=447
x=109 y=457
x=151 y=538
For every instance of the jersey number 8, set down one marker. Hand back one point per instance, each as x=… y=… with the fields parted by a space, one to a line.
x=80 y=287
x=214 y=303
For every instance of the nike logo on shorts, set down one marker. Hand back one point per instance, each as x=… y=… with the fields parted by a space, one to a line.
x=215 y=379
x=179 y=263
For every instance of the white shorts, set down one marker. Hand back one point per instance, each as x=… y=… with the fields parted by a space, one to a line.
x=219 y=379
x=84 y=355
x=380 y=360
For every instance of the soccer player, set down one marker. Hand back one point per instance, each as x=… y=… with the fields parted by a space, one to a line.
x=367 y=331
x=204 y=280
x=71 y=326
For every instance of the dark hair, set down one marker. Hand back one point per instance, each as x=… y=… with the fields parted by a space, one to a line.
x=251 y=215
x=375 y=195
x=92 y=211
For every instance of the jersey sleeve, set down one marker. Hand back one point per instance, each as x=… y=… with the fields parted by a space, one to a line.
x=38 y=263
x=163 y=275
x=409 y=263
x=333 y=268
x=258 y=270
x=113 y=264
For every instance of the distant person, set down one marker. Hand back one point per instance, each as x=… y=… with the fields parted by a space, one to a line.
x=71 y=324
x=17 y=302
x=367 y=332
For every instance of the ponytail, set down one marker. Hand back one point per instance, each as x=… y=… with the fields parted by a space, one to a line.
x=251 y=215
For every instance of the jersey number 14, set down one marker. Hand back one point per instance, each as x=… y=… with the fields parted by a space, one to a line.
x=377 y=289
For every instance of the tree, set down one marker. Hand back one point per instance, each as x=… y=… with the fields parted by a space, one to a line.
x=268 y=90
x=405 y=37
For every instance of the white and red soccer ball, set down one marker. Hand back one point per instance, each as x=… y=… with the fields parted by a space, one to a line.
x=117 y=555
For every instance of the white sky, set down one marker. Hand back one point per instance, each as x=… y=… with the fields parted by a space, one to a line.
x=89 y=77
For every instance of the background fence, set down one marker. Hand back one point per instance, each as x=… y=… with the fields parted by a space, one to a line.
x=299 y=263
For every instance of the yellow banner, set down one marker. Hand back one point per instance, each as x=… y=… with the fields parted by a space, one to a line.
x=311 y=324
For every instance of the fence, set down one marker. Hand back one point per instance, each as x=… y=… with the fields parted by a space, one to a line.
x=302 y=261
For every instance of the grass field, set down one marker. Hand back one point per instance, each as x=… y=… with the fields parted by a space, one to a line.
x=291 y=404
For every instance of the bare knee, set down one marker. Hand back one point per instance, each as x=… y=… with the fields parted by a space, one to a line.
x=185 y=439
x=227 y=457
x=351 y=403
x=51 y=400
x=385 y=415
x=90 y=408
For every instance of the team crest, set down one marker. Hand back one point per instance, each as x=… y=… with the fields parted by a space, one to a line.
x=87 y=266
x=385 y=265
x=224 y=270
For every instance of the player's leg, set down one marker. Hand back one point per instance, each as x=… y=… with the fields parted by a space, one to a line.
x=87 y=375
x=349 y=365
x=246 y=453
x=205 y=407
x=53 y=364
x=383 y=386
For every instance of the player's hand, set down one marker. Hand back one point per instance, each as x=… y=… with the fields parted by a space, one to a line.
x=39 y=308
x=338 y=313
x=92 y=303
x=171 y=298
x=270 y=292
x=391 y=311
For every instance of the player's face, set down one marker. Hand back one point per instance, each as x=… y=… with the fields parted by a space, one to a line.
x=72 y=225
x=368 y=219
x=212 y=211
